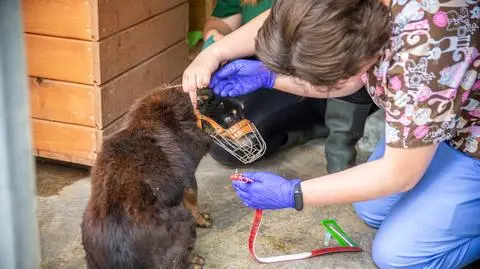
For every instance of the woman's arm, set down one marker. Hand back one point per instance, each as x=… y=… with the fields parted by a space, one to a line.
x=398 y=171
x=241 y=42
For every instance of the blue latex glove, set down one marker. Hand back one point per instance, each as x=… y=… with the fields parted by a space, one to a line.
x=268 y=191
x=241 y=77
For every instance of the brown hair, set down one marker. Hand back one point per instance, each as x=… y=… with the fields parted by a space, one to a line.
x=249 y=2
x=323 y=41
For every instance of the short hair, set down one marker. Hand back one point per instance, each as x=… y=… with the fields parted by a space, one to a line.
x=323 y=41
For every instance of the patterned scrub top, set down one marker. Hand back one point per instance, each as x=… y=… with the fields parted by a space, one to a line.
x=428 y=79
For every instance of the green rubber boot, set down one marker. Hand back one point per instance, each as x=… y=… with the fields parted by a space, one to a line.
x=346 y=123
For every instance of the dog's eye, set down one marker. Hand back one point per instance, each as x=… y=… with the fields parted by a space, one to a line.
x=221 y=105
x=234 y=112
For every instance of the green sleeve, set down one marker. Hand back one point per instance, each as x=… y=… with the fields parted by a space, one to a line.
x=226 y=8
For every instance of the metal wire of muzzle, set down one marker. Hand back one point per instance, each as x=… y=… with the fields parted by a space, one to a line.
x=242 y=139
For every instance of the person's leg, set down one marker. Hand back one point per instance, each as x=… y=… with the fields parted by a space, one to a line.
x=281 y=118
x=373 y=212
x=437 y=223
x=345 y=118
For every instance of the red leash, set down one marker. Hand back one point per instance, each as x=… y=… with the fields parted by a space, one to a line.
x=257 y=222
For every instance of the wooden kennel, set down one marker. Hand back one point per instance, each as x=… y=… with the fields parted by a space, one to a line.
x=88 y=60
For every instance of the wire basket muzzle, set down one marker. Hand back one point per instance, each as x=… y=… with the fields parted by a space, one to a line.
x=242 y=140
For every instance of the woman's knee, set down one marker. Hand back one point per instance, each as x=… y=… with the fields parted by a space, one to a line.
x=374 y=212
x=397 y=245
x=368 y=214
x=394 y=249
x=385 y=255
x=397 y=251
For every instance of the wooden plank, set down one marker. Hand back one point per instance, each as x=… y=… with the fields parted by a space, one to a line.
x=113 y=16
x=59 y=58
x=108 y=131
x=70 y=18
x=66 y=142
x=177 y=81
x=200 y=11
x=124 y=50
x=65 y=158
x=118 y=95
x=62 y=101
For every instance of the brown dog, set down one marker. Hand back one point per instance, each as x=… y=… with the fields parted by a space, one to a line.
x=144 y=191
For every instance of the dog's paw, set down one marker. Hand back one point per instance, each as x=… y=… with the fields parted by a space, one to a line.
x=204 y=220
x=206 y=216
x=197 y=262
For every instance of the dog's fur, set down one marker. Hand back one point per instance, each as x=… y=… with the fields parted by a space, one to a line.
x=143 y=209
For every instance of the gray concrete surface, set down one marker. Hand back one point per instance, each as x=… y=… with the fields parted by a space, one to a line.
x=64 y=191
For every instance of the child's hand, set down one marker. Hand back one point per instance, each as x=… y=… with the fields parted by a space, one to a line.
x=213 y=32
x=197 y=75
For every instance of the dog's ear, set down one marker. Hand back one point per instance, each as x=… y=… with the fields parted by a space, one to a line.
x=170 y=107
x=177 y=105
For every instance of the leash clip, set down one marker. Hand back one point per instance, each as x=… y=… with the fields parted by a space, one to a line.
x=240 y=178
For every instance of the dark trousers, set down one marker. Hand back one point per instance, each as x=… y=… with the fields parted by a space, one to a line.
x=277 y=114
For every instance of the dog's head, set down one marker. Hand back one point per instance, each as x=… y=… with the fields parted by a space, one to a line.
x=168 y=112
x=231 y=130
x=163 y=107
x=223 y=110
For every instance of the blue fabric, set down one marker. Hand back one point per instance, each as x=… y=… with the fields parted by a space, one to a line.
x=208 y=42
x=434 y=225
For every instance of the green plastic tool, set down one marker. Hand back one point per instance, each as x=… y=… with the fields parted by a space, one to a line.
x=334 y=230
x=193 y=38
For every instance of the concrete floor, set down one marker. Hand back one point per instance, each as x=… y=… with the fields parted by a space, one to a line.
x=63 y=193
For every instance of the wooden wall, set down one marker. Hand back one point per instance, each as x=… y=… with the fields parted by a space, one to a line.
x=88 y=60
x=200 y=11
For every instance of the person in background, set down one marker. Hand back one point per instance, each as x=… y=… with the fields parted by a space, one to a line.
x=284 y=119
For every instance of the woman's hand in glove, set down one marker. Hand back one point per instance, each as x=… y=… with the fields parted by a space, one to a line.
x=267 y=191
x=241 y=77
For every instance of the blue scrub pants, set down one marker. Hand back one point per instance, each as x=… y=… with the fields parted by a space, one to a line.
x=434 y=225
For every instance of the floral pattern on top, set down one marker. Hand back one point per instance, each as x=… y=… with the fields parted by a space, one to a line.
x=428 y=78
